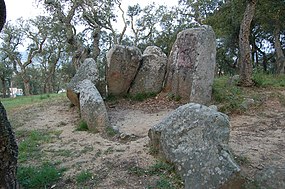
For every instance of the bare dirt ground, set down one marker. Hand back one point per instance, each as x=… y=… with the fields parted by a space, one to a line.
x=257 y=139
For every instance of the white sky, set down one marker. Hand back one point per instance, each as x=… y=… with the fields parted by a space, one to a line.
x=27 y=8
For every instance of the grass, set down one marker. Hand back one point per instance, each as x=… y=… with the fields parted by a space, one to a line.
x=82 y=126
x=23 y=101
x=231 y=97
x=29 y=145
x=43 y=176
x=269 y=80
x=83 y=177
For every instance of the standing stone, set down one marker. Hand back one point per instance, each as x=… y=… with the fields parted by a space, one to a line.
x=92 y=107
x=151 y=74
x=88 y=70
x=191 y=65
x=195 y=138
x=122 y=66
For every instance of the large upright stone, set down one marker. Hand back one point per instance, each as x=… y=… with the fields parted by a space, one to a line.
x=92 y=107
x=195 y=138
x=191 y=65
x=88 y=70
x=122 y=66
x=151 y=74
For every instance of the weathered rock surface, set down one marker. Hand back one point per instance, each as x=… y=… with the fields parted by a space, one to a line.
x=88 y=70
x=191 y=65
x=122 y=66
x=150 y=76
x=92 y=107
x=195 y=138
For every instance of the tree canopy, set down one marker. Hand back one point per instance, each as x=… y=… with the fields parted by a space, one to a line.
x=51 y=47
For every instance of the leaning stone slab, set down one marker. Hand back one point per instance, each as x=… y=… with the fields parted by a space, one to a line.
x=191 y=65
x=88 y=70
x=92 y=107
x=195 y=138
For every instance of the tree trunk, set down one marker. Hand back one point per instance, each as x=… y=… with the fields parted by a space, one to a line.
x=244 y=47
x=8 y=145
x=8 y=153
x=27 y=87
x=280 y=58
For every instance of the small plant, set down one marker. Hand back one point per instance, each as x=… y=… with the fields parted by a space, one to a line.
x=43 y=176
x=83 y=176
x=82 y=126
x=110 y=131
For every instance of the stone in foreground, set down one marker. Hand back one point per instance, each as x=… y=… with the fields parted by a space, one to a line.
x=195 y=138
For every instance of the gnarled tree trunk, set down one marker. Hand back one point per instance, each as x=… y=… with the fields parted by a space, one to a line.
x=8 y=145
x=245 y=63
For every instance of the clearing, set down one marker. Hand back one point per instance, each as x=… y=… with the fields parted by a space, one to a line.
x=95 y=161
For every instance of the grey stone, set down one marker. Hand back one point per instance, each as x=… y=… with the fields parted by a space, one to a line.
x=191 y=65
x=150 y=76
x=92 y=107
x=122 y=66
x=88 y=70
x=195 y=138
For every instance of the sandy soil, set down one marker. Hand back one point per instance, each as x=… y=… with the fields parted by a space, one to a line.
x=257 y=136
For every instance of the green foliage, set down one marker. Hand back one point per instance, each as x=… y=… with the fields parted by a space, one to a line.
x=43 y=176
x=268 y=80
x=230 y=95
x=82 y=126
x=83 y=176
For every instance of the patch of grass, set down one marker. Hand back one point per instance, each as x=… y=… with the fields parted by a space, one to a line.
x=29 y=145
x=43 y=176
x=23 y=101
x=110 y=131
x=82 y=126
x=141 y=96
x=83 y=176
x=231 y=96
x=268 y=80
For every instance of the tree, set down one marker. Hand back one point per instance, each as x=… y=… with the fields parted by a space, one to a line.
x=245 y=61
x=34 y=34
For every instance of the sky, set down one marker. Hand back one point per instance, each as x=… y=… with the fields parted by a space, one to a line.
x=27 y=8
